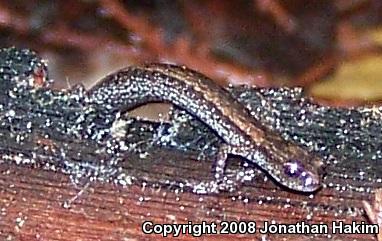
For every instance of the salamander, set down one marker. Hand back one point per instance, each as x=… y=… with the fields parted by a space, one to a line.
x=287 y=163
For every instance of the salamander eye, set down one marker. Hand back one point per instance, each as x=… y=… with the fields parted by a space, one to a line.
x=293 y=168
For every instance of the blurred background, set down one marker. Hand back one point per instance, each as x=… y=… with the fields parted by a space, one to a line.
x=331 y=48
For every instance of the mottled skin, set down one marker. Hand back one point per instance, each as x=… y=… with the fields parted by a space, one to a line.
x=287 y=163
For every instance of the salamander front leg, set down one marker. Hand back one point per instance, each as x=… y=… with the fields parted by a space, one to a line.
x=219 y=166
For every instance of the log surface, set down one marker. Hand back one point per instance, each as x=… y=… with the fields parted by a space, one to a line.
x=60 y=183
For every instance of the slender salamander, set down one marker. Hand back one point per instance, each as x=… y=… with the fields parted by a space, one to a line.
x=287 y=163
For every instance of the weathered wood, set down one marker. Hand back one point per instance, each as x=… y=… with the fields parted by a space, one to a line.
x=64 y=182
x=32 y=203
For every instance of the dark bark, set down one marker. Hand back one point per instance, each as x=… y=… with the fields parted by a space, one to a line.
x=44 y=167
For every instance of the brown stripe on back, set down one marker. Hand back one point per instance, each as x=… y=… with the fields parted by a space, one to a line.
x=211 y=92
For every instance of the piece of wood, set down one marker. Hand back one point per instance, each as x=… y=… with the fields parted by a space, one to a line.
x=57 y=182
x=32 y=206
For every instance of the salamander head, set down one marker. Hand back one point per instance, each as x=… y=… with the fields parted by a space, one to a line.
x=291 y=165
x=299 y=176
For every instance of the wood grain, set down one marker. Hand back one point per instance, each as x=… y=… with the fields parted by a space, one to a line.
x=32 y=204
